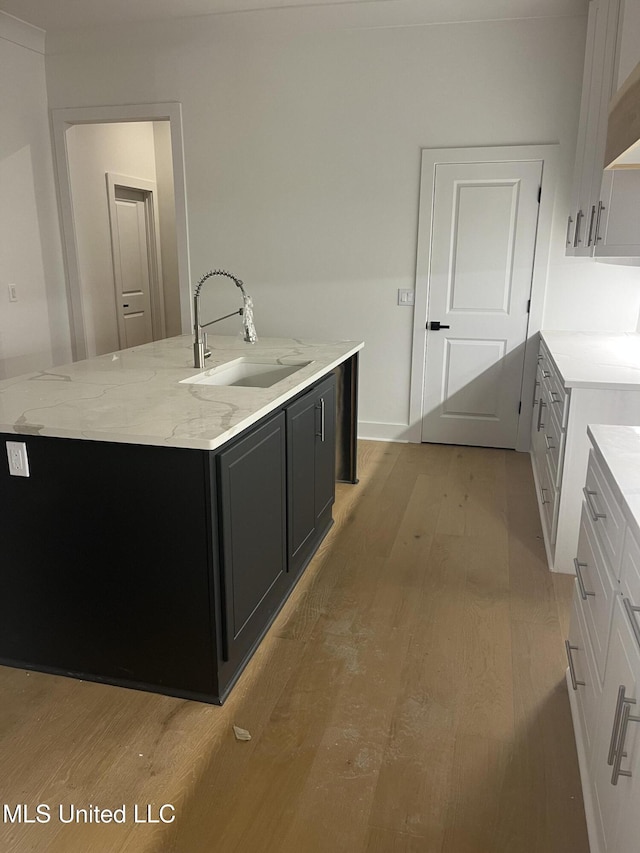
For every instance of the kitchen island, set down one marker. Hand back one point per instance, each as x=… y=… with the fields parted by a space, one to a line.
x=163 y=522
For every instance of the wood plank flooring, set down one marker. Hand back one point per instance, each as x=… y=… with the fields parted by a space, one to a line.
x=410 y=697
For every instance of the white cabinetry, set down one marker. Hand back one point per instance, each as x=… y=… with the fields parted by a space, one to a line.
x=598 y=85
x=565 y=401
x=618 y=219
x=604 y=621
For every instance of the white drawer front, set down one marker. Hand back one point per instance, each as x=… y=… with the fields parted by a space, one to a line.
x=607 y=515
x=549 y=498
x=582 y=666
x=554 y=439
x=596 y=590
x=630 y=579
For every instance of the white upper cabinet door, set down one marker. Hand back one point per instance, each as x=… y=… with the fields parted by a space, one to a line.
x=618 y=228
x=598 y=85
x=481 y=263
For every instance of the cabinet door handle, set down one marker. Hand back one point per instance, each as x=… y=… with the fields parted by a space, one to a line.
x=569 y=221
x=321 y=434
x=588 y=496
x=555 y=397
x=601 y=207
x=547 y=441
x=542 y=497
x=591 y=220
x=535 y=392
x=546 y=374
x=631 y=613
x=578 y=566
x=625 y=718
x=574 y=682
x=576 y=237
x=616 y=725
x=540 y=407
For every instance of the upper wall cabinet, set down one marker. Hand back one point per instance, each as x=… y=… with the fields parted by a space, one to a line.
x=598 y=84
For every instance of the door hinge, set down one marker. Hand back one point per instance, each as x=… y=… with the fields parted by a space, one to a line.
x=520 y=407
x=539 y=194
x=528 y=306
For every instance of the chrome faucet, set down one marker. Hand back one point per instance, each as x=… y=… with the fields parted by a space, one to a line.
x=200 y=351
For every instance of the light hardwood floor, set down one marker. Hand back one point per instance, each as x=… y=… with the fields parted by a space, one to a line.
x=410 y=697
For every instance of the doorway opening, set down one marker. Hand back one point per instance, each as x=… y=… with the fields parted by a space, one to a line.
x=122 y=195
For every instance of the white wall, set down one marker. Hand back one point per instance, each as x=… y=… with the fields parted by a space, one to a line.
x=34 y=331
x=167 y=215
x=124 y=148
x=302 y=145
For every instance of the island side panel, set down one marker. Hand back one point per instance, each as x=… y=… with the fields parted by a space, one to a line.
x=106 y=565
x=346 y=375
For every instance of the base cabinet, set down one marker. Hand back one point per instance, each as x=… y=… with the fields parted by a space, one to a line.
x=311 y=453
x=162 y=568
x=604 y=663
x=251 y=486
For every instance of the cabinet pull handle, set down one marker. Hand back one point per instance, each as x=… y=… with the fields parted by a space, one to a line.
x=578 y=566
x=625 y=719
x=616 y=725
x=547 y=441
x=591 y=220
x=569 y=221
x=540 y=356
x=540 y=407
x=601 y=207
x=588 y=496
x=535 y=392
x=576 y=237
x=631 y=613
x=546 y=374
x=320 y=406
x=574 y=682
x=555 y=397
x=542 y=497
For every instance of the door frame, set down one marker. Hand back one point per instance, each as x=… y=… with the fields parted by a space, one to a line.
x=431 y=157
x=62 y=120
x=156 y=286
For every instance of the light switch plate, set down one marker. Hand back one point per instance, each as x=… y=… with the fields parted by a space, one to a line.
x=18 y=459
x=405 y=297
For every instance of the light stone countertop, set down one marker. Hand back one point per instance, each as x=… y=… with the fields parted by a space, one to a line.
x=135 y=396
x=618 y=451
x=596 y=359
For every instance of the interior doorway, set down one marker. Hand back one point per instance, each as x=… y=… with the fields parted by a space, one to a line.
x=484 y=236
x=107 y=234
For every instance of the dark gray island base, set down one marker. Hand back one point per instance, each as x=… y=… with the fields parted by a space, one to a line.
x=161 y=568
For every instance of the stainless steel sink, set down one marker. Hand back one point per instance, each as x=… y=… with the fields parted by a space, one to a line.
x=247 y=372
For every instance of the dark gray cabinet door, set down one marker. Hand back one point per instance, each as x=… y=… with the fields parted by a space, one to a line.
x=311 y=437
x=252 y=507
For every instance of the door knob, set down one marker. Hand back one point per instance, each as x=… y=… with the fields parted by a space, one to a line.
x=436 y=325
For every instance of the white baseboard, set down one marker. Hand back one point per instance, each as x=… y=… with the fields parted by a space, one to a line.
x=370 y=431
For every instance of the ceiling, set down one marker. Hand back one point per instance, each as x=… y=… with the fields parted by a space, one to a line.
x=70 y=14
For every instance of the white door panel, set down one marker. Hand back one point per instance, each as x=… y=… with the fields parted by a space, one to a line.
x=481 y=264
x=131 y=256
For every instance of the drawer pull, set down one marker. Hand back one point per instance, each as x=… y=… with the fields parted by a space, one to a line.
x=547 y=441
x=578 y=566
x=542 y=497
x=546 y=374
x=540 y=408
x=631 y=613
x=535 y=392
x=588 y=496
x=616 y=725
x=555 y=397
x=574 y=682
x=622 y=718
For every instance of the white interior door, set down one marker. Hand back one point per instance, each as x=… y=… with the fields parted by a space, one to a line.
x=132 y=274
x=481 y=265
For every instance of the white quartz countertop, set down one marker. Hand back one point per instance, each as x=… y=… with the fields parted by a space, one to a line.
x=618 y=450
x=596 y=359
x=135 y=396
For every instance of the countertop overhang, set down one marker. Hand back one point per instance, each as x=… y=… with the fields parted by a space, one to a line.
x=135 y=397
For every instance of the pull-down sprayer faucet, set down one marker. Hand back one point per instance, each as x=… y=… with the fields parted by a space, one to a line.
x=200 y=351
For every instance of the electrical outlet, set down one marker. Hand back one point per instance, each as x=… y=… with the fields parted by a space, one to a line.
x=18 y=459
x=13 y=293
